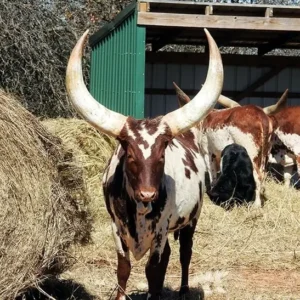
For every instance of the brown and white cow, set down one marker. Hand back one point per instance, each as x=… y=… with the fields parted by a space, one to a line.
x=154 y=182
x=247 y=126
x=286 y=141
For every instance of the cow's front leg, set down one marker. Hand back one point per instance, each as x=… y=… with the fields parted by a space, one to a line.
x=156 y=269
x=124 y=267
x=186 y=244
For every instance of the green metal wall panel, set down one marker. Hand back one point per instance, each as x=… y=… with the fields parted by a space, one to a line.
x=118 y=67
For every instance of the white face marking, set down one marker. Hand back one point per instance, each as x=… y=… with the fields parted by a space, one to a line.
x=150 y=138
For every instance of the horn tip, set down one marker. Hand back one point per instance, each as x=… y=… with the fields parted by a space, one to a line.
x=207 y=33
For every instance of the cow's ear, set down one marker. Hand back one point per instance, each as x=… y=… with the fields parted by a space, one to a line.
x=182 y=97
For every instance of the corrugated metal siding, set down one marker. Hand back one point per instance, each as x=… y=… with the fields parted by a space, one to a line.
x=117 y=69
x=237 y=78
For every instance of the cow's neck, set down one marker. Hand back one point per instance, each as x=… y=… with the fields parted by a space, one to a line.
x=142 y=221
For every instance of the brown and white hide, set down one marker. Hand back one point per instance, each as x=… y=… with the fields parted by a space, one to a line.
x=247 y=126
x=153 y=184
x=286 y=139
x=286 y=142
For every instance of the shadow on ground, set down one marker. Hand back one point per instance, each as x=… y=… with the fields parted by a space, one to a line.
x=58 y=289
x=169 y=294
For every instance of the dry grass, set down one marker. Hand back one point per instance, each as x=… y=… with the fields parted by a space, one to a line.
x=39 y=218
x=90 y=152
x=239 y=254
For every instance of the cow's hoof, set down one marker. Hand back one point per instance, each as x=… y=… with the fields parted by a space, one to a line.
x=184 y=290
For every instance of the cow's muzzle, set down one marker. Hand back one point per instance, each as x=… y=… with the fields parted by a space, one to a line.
x=146 y=194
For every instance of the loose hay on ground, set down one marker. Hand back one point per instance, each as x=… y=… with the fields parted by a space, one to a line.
x=39 y=218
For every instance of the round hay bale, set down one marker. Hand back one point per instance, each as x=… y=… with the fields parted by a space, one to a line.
x=91 y=151
x=39 y=216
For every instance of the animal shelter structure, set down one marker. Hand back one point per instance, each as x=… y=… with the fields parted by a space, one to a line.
x=137 y=57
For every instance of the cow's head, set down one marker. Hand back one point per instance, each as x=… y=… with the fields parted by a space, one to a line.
x=144 y=141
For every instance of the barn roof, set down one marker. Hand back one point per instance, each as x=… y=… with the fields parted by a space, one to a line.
x=264 y=27
x=239 y=25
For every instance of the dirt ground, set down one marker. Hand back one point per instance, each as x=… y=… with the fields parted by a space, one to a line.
x=239 y=254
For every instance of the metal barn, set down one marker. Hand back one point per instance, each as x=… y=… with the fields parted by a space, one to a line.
x=138 y=82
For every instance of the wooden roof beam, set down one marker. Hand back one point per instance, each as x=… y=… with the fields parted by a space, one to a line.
x=215 y=21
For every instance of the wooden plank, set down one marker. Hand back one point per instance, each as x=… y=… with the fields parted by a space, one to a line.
x=257 y=83
x=208 y=10
x=269 y=12
x=213 y=21
x=228 y=59
x=230 y=6
x=144 y=6
x=229 y=93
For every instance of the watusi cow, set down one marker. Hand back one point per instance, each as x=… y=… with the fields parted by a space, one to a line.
x=286 y=139
x=153 y=183
x=247 y=126
x=235 y=184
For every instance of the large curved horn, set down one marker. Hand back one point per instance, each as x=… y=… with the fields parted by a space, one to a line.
x=185 y=117
x=275 y=108
x=182 y=97
x=227 y=102
x=92 y=111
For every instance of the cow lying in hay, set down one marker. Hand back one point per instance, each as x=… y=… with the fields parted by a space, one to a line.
x=247 y=126
x=235 y=184
x=286 y=140
x=154 y=181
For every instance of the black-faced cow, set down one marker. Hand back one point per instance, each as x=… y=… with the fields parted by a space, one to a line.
x=235 y=184
x=153 y=183
x=247 y=126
